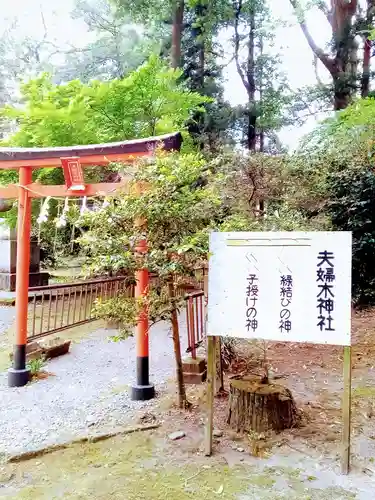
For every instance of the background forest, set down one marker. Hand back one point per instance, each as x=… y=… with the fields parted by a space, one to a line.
x=155 y=67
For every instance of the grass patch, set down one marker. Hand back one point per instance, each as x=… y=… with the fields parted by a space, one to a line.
x=36 y=365
x=364 y=392
x=7 y=301
x=120 y=389
x=143 y=466
x=4 y=359
x=130 y=468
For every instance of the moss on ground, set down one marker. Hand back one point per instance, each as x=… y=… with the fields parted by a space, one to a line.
x=364 y=392
x=4 y=359
x=143 y=467
x=120 y=469
x=119 y=389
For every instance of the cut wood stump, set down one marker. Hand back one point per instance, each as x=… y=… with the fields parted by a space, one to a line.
x=260 y=407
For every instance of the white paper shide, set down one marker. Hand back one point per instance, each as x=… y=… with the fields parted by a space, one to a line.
x=290 y=286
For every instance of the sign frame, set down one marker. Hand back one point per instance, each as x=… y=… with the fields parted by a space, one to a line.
x=284 y=286
x=252 y=240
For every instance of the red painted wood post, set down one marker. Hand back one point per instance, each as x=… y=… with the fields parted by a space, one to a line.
x=19 y=375
x=142 y=390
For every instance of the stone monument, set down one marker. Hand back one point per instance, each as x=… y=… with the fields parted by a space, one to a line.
x=8 y=260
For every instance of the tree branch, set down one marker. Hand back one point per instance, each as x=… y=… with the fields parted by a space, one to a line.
x=106 y=115
x=237 y=7
x=317 y=51
x=250 y=59
x=322 y=6
x=318 y=79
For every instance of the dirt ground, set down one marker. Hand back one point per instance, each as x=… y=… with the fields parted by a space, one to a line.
x=303 y=463
x=314 y=375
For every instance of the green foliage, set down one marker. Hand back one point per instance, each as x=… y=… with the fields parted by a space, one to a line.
x=285 y=219
x=179 y=205
x=203 y=73
x=145 y=11
x=202 y=21
x=118 y=46
x=121 y=311
x=149 y=101
x=337 y=164
x=35 y=365
x=243 y=179
x=253 y=44
x=187 y=196
x=176 y=209
x=352 y=208
x=9 y=177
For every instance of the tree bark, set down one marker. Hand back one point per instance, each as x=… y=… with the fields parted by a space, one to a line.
x=342 y=65
x=252 y=131
x=178 y=18
x=182 y=399
x=248 y=77
x=365 y=80
x=261 y=81
x=197 y=69
x=258 y=407
x=198 y=33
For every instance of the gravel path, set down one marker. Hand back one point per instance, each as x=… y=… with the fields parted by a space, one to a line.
x=89 y=391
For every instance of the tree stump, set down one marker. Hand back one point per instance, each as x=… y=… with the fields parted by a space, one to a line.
x=260 y=407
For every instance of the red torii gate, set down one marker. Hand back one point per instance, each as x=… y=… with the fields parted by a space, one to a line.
x=71 y=158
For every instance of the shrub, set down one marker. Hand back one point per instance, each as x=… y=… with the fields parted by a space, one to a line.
x=120 y=311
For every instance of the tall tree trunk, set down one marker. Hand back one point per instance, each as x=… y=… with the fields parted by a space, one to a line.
x=261 y=202
x=248 y=78
x=365 y=80
x=342 y=65
x=261 y=86
x=198 y=34
x=197 y=70
x=178 y=18
x=342 y=95
x=252 y=131
x=182 y=399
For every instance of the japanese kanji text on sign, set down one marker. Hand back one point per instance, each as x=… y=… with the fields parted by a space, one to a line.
x=281 y=286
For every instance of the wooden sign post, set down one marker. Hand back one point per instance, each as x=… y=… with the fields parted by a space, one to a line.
x=291 y=287
x=71 y=159
x=346 y=410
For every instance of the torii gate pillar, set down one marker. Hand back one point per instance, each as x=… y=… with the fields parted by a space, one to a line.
x=19 y=374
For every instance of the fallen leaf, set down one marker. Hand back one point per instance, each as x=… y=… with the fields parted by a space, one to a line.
x=220 y=490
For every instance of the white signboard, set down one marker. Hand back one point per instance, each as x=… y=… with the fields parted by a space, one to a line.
x=290 y=286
